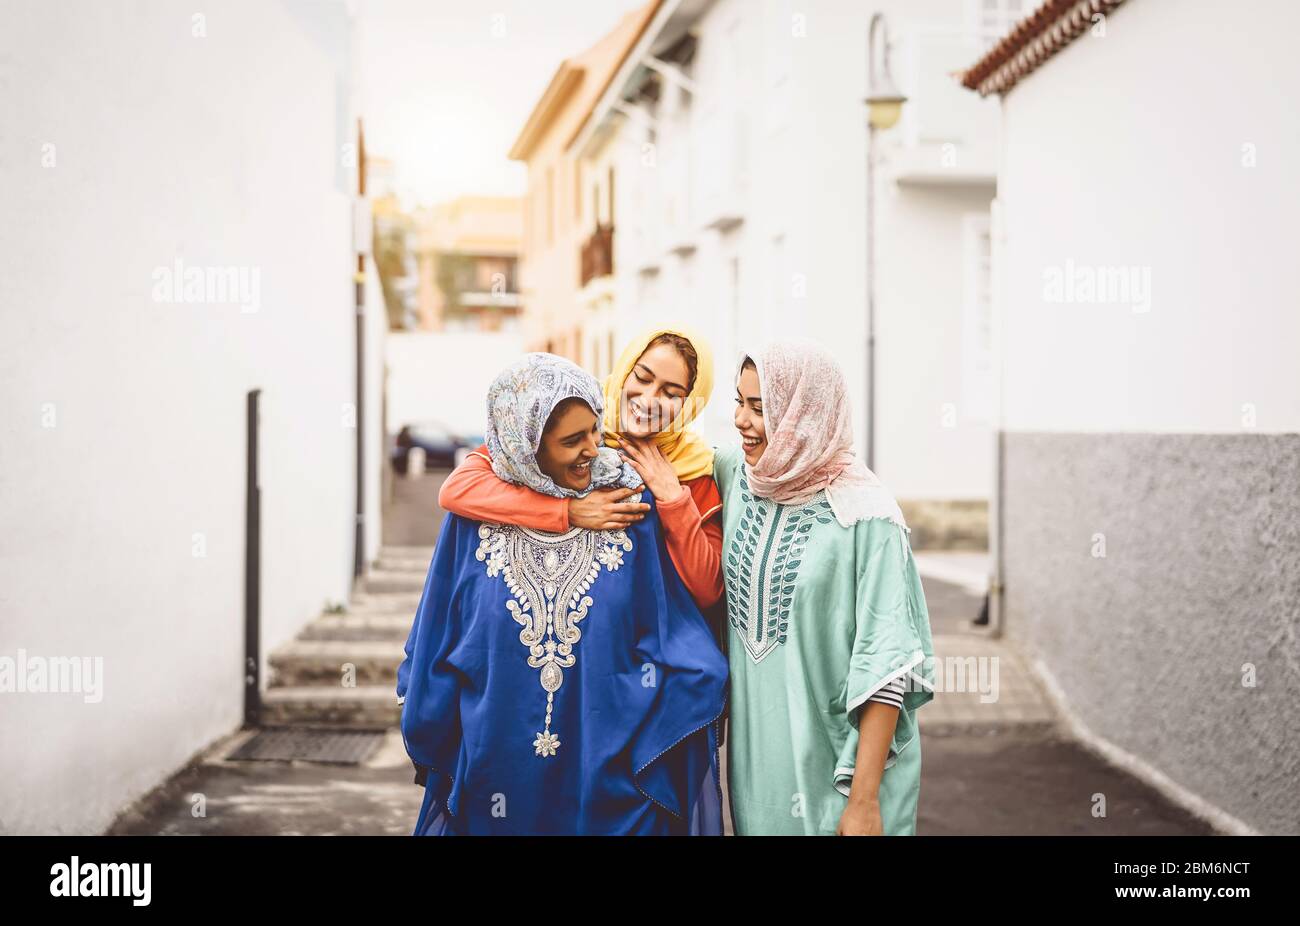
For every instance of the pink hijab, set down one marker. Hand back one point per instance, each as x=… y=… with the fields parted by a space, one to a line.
x=809 y=425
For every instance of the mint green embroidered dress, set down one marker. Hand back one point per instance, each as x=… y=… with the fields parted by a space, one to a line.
x=821 y=618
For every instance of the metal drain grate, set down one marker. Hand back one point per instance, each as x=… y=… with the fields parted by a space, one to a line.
x=336 y=747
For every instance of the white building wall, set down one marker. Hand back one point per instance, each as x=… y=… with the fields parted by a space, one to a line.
x=934 y=434
x=774 y=239
x=1218 y=333
x=375 y=448
x=132 y=142
x=1151 y=560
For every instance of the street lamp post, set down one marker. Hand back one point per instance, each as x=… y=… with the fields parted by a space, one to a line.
x=884 y=106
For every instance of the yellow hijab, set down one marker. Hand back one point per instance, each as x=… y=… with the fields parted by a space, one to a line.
x=690 y=456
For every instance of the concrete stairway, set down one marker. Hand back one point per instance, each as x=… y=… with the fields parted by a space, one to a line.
x=306 y=682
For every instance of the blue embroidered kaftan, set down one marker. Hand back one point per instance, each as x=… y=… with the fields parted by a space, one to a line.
x=561 y=684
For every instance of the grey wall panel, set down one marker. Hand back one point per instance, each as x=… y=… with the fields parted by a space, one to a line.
x=1201 y=575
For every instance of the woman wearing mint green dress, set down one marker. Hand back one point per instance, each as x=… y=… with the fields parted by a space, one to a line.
x=829 y=641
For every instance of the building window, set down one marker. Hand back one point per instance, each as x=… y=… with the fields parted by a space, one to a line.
x=550 y=206
x=529 y=219
x=610 y=191
x=990 y=20
x=561 y=196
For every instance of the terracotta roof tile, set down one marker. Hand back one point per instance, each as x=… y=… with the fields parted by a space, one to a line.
x=1032 y=41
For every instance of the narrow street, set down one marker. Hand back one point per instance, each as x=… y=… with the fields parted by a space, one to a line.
x=274 y=269
x=377 y=796
x=1001 y=768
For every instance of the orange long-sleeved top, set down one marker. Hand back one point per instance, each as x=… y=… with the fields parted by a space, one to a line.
x=692 y=521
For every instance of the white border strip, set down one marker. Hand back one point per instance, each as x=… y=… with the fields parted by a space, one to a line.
x=1194 y=804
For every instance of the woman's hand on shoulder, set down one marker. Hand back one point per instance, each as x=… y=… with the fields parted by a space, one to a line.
x=605 y=510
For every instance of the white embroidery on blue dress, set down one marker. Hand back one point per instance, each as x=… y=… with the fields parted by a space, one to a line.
x=548 y=576
x=762 y=567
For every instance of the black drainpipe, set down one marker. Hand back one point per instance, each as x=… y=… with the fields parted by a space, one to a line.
x=252 y=571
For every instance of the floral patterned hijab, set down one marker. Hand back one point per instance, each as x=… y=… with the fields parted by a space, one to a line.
x=809 y=428
x=519 y=403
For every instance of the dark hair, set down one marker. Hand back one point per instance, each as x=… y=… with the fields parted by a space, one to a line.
x=563 y=406
x=749 y=364
x=683 y=347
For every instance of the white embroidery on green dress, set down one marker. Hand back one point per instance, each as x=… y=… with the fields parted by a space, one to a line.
x=762 y=567
x=548 y=576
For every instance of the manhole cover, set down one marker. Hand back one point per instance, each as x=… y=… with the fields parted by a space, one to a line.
x=337 y=747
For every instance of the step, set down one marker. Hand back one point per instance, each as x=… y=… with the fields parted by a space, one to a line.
x=365 y=626
x=320 y=662
x=384 y=581
x=401 y=564
x=364 y=707
x=422 y=554
x=383 y=603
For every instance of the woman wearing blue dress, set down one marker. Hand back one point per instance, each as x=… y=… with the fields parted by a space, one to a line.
x=560 y=683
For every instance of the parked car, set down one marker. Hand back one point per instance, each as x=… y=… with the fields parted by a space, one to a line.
x=441 y=445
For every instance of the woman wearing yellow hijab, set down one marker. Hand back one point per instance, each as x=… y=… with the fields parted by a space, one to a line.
x=659 y=386
x=661 y=382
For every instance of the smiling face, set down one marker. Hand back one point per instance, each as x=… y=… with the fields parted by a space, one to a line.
x=654 y=392
x=749 y=414
x=569 y=443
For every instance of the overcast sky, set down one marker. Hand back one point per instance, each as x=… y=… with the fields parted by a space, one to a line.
x=445 y=97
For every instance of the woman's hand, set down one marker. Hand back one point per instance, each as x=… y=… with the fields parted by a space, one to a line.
x=605 y=510
x=649 y=461
x=861 y=818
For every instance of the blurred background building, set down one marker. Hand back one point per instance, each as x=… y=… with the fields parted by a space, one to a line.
x=707 y=162
x=567 y=200
x=468 y=257
x=394 y=243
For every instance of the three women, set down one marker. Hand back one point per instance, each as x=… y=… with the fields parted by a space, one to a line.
x=826 y=626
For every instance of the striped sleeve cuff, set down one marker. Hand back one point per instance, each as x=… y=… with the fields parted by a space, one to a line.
x=891 y=694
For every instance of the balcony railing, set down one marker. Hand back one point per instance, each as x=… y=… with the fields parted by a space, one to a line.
x=598 y=254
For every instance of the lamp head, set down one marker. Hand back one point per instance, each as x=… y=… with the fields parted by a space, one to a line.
x=884 y=109
x=884 y=102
